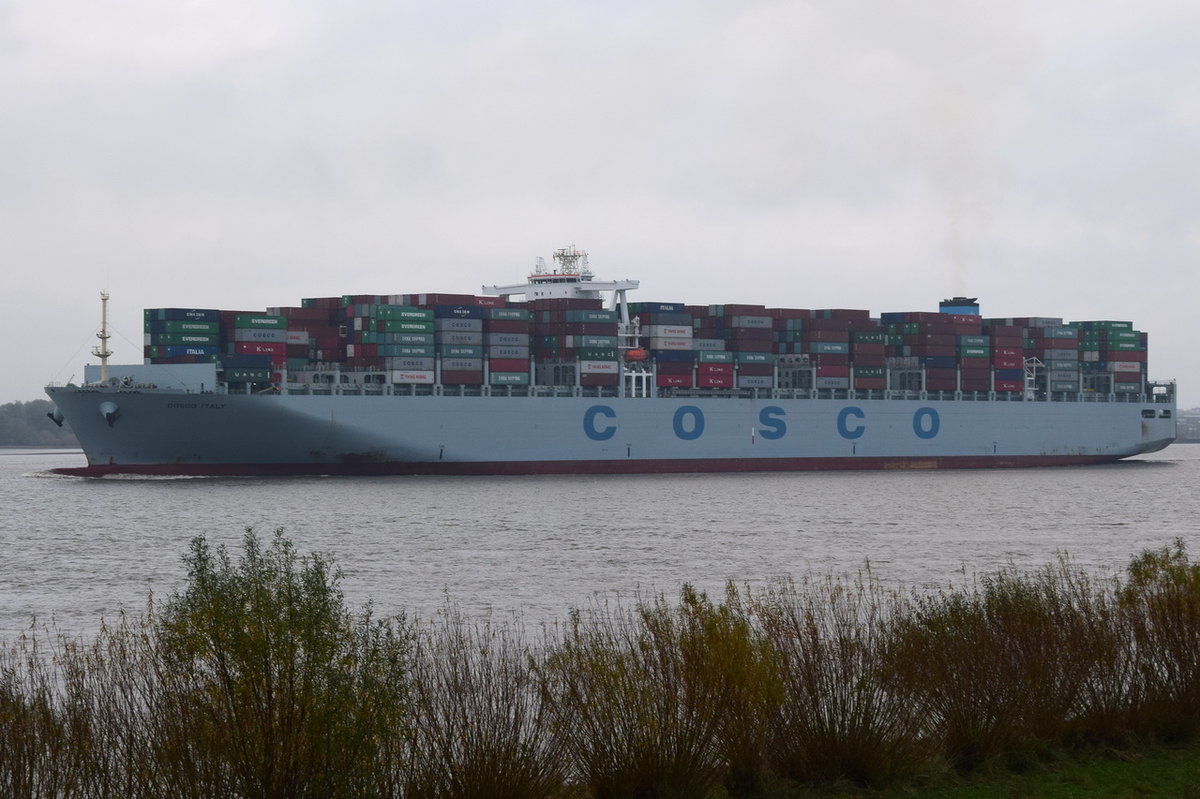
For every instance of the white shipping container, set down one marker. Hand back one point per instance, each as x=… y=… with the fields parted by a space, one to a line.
x=277 y=336
x=1061 y=355
x=766 y=381
x=459 y=337
x=667 y=331
x=405 y=376
x=451 y=323
x=598 y=367
x=832 y=382
x=462 y=364
x=1124 y=366
x=670 y=343
x=709 y=344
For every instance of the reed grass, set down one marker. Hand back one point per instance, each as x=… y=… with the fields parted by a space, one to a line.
x=255 y=680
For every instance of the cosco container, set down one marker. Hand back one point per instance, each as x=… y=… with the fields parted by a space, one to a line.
x=456 y=323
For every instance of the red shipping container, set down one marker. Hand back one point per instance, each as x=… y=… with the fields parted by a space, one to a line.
x=940 y=384
x=788 y=313
x=974 y=363
x=267 y=348
x=673 y=381
x=825 y=335
x=832 y=359
x=471 y=378
x=717 y=369
x=1013 y=342
x=975 y=384
x=1127 y=377
x=1007 y=352
x=1008 y=363
x=714 y=381
x=506 y=326
x=869 y=383
x=1123 y=355
x=598 y=380
x=1009 y=385
x=674 y=368
x=489 y=302
x=866 y=348
x=508 y=364
x=757 y=369
x=1011 y=331
x=751 y=334
x=827 y=324
x=870 y=360
x=833 y=371
x=1056 y=343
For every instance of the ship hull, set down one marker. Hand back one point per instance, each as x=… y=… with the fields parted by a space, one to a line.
x=160 y=432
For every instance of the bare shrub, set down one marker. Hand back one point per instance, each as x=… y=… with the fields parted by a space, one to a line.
x=480 y=729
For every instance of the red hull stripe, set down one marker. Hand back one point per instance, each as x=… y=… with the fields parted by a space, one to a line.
x=661 y=466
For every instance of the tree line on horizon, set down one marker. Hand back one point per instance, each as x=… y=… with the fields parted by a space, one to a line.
x=25 y=424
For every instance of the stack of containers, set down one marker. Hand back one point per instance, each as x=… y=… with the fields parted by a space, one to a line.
x=180 y=335
x=358 y=317
x=667 y=333
x=404 y=338
x=826 y=339
x=458 y=342
x=574 y=339
x=1007 y=343
x=321 y=318
x=1115 y=351
x=1057 y=345
x=300 y=321
x=748 y=333
x=506 y=334
x=253 y=341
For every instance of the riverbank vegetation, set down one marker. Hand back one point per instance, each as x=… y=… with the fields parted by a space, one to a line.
x=255 y=680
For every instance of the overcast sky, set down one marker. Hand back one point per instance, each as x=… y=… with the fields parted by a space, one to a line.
x=1040 y=155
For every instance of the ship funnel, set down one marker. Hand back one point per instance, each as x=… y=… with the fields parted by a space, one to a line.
x=110 y=412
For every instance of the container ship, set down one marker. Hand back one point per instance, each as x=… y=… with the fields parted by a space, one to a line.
x=563 y=373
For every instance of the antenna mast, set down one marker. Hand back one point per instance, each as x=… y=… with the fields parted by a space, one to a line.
x=101 y=350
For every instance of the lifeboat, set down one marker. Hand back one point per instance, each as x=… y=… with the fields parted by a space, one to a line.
x=637 y=354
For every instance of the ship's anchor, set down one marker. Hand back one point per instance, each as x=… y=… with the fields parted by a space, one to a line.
x=56 y=416
x=110 y=412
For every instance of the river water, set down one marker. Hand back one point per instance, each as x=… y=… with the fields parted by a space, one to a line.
x=75 y=551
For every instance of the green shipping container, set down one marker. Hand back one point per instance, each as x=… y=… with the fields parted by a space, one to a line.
x=265 y=321
x=404 y=326
x=508 y=314
x=1062 y=385
x=591 y=316
x=754 y=357
x=974 y=352
x=403 y=313
x=868 y=371
x=509 y=378
x=185 y=339
x=712 y=356
x=1127 y=388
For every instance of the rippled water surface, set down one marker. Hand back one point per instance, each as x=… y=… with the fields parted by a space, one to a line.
x=77 y=550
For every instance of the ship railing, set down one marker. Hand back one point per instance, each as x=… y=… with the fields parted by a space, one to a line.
x=1158 y=393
